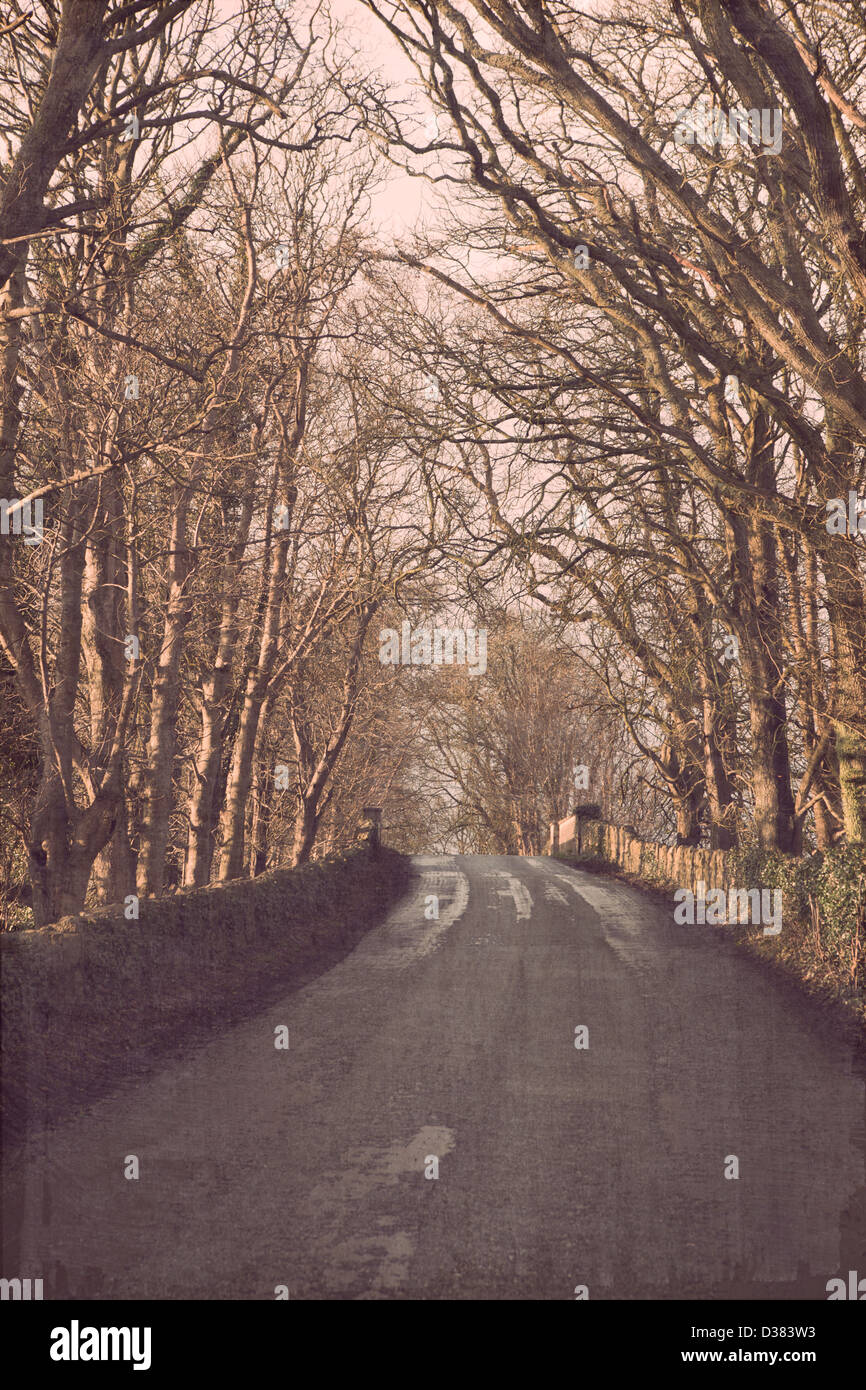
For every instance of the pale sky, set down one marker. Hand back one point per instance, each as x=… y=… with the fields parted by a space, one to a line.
x=403 y=200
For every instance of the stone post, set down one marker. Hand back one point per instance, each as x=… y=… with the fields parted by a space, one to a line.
x=371 y=828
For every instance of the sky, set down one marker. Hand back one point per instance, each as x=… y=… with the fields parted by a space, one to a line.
x=402 y=201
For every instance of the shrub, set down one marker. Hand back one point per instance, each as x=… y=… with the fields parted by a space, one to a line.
x=840 y=892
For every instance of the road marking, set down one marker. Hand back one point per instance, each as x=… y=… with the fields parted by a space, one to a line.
x=553 y=895
x=380 y=1259
x=620 y=920
x=409 y=1158
x=407 y=936
x=516 y=890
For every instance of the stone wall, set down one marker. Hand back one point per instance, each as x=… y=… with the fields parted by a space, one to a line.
x=95 y=999
x=664 y=865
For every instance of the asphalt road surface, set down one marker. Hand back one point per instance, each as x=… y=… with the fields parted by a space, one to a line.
x=453 y=1038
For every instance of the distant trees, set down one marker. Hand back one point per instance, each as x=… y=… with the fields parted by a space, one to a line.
x=507 y=754
x=655 y=384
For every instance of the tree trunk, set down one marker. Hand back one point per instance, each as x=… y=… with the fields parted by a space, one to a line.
x=756 y=601
x=262 y=792
x=115 y=868
x=157 y=782
x=202 y=810
x=679 y=762
x=240 y=777
x=718 y=735
x=848 y=621
x=310 y=810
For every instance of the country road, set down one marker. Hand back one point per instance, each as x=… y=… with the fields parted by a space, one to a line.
x=558 y=1167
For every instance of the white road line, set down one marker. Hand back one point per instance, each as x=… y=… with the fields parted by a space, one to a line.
x=516 y=890
x=620 y=918
x=407 y=935
x=553 y=895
